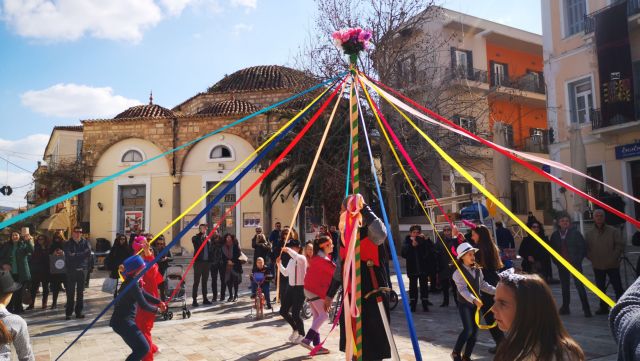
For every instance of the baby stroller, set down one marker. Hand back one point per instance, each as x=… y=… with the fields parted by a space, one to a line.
x=171 y=282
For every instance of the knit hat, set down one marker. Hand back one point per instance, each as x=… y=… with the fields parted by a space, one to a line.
x=465 y=248
x=133 y=264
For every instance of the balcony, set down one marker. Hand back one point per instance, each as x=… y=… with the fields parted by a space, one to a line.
x=616 y=124
x=633 y=9
x=464 y=73
x=536 y=144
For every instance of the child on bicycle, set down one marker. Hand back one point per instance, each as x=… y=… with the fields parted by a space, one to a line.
x=316 y=285
x=267 y=276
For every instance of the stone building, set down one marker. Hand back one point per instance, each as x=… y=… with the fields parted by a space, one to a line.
x=152 y=195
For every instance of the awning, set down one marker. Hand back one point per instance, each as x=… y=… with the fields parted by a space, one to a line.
x=56 y=221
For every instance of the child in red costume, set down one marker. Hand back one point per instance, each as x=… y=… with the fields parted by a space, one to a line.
x=150 y=282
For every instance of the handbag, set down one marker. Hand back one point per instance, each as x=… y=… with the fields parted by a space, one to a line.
x=57 y=264
x=109 y=285
x=26 y=296
x=243 y=258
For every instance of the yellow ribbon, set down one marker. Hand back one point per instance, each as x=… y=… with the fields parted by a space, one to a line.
x=577 y=274
x=426 y=213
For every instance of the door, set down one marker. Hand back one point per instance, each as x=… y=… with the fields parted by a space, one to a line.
x=131 y=202
x=635 y=183
x=228 y=225
x=498 y=74
x=584 y=102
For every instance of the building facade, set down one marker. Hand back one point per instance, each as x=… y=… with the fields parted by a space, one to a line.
x=151 y=196
x=484 y=74
x=592 y=67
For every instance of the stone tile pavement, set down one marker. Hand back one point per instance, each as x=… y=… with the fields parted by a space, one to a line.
x=227 y=331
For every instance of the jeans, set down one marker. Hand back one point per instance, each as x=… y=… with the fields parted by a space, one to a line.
x=565 y=279
x=291 y=307
x=469 y=329
x=133 y=337
x=265 y=291
x=75 y=292
x=614 y=278
x=217 y=271
x=413 y=290
x=200 y=275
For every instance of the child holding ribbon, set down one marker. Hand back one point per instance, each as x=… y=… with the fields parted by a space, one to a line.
x=468 y=299
x=124 y=311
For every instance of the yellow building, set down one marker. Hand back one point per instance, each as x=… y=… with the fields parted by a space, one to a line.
x=151 y=196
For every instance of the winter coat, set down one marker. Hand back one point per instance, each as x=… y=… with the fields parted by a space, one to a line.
x=116 y=257
x=40 y=260
x=604 y=247
x=262 y=248
x=16 y=255
x=420 y=259
x=531 y=247
x=573 y=247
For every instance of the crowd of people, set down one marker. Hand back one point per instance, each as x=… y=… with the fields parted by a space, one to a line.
x=474 y=268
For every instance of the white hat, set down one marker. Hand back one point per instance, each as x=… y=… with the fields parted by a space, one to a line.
x=464 y=248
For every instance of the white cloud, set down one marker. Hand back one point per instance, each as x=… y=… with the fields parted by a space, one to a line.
x=25 y=153
x=27 y=147
x=175 y=7
x=76 y=101
x=73 y=19
x=247 y=4
x=241 y=28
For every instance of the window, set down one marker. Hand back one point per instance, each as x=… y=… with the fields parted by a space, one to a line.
x=132 y=156
x=462 y=63
x=574 y=12
x=509 y=134
x=594 y=188
x=542 y=192
x=79 y=150
x=467 y=123
x=581 y=98
x=220 y=152
x=462 y=189
x=499 y=73
x=519 y=197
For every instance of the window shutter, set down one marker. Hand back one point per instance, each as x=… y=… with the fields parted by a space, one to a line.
x=506 y=73
x=453 y=58
x=492 y=73
x=470 y=64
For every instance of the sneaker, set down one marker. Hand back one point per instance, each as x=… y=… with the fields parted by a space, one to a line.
x=195 y=304
x=206 y=302
x=298 y=339
x=456 y=356
x=294 y=335
x=80 y=316
x=306 y=343
x=322 y=351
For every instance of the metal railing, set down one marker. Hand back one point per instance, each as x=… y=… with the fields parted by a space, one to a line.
x=633 y=7
x=598 y=122
x=536 y=144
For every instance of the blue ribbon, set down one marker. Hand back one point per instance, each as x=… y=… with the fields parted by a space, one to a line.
x=62 y=198
x=396 y=264
x=190 y=225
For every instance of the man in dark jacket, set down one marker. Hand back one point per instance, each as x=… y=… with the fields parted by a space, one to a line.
x=570 y=244
x=504 y=237
x=201 y=266
x=218 y=267
x=77 y=252
x=418 y=250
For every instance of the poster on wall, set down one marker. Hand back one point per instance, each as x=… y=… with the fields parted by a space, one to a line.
x=313 y=218
x=133 y=219
x=251 y=219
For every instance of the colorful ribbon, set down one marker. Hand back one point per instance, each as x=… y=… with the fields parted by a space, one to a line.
x=89 y=186
x=506 y=210
x=394 y=255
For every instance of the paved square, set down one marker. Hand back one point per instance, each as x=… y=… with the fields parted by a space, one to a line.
x=228 y=331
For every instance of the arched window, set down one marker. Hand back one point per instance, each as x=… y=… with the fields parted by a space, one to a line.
x=132 y=156
x=220 y=152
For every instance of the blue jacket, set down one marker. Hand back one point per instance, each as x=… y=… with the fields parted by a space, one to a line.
x=77 y=254
x=125 y=308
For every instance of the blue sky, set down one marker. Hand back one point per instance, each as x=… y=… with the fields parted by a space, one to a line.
x=66 y=60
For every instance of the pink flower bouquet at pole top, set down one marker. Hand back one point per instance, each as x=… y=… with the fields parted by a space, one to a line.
x=352 y=40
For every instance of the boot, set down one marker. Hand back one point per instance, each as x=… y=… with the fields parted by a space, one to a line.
x=413 y=306
x=44 y=302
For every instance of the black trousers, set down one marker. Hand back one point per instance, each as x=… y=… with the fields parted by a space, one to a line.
x=200 y=276
x=217 y=271
x=75 y=292
x=614 y=278
x=291 y=307
x=133 y=337
x=565 y=281
x=413 y=290
x=38 y=279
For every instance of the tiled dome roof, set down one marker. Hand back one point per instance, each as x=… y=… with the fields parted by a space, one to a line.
x=229 y=107
x=145 y=111
x=263 y=77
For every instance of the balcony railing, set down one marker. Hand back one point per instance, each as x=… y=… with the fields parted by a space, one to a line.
x=536 y=144
x=528 y=82
x=633 y=7
x=462 y=72
x=597 y=122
